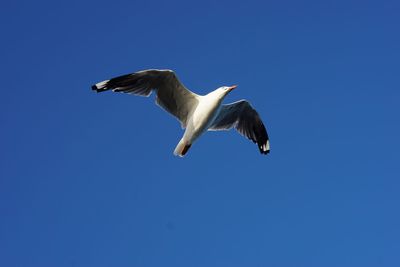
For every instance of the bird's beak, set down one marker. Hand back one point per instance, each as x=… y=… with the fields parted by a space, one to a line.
x=232 y=87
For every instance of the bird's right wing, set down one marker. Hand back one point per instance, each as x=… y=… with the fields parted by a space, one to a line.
x=246 y=121
x=172 y=95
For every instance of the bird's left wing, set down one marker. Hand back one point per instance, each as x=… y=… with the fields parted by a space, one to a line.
x=246 y=121
x=172 y=95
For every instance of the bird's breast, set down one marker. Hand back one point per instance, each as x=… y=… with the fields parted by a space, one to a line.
x=204 y=114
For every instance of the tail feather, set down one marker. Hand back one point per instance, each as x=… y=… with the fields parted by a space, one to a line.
x=182 y=148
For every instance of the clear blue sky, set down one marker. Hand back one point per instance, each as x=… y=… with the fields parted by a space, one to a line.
x=90 y=179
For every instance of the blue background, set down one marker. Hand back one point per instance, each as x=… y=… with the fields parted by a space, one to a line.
x=90 y=180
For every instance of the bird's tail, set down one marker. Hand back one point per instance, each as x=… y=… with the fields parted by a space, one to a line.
x=182 y=148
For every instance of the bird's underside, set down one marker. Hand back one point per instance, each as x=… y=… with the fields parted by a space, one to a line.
x=187 y=106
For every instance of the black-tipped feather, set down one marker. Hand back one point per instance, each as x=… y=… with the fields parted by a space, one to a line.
x=246 y=121
x=171 y=94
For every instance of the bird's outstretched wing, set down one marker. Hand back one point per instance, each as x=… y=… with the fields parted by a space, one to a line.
x=246 y=121
x=172 y=95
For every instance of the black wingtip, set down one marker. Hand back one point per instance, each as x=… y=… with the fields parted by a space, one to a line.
x=94 y=88
x=262 y=147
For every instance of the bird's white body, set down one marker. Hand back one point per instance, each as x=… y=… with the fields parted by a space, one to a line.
x=202 y=116
x=195 y=112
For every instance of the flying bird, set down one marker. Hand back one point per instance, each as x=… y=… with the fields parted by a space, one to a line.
x=197 y=113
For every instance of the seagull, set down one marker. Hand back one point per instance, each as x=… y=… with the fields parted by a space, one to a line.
x=196 y=113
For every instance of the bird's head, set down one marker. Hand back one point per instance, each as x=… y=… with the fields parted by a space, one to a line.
x=224 y=90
